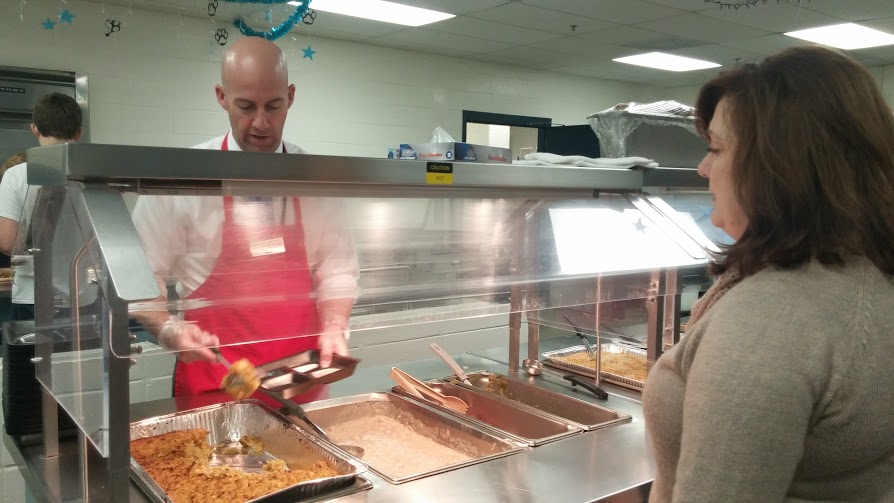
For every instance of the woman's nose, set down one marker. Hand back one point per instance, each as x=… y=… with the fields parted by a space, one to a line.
x=704 y=167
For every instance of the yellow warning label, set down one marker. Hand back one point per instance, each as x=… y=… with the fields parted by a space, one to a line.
x=439 y=173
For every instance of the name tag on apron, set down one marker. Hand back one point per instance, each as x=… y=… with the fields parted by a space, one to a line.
x=268 y=247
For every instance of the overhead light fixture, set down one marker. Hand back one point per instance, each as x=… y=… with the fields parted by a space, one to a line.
x=844 y=36
x=664 y=61
x=380 y=10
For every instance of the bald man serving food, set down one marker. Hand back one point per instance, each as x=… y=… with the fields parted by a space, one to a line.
x=276 y=269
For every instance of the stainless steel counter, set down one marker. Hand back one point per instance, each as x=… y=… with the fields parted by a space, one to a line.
x=613 y=464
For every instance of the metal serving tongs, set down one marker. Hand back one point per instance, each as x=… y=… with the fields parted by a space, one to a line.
x=233 y=381
x=293 y=409
x=582 y=337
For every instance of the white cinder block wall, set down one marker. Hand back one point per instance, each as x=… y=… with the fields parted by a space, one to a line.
x=152 y=82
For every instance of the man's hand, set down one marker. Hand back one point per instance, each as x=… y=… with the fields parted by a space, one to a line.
x=191 y=342
x=333 y=339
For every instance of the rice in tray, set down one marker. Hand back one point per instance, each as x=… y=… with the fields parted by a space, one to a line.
x=179 y=463
x=626 y=365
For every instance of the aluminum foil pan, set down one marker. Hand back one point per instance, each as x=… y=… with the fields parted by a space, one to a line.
x=549 y=358
x=227 y=423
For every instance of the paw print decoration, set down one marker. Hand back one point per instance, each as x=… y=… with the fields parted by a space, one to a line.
x=212 y=7
x=310 y=17
x=221 y=36
x=112 y=26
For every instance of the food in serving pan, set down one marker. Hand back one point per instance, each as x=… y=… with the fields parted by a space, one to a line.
x=396 y=447
x=241 y=381
x=626 y=365
x=179 y=464
x=6 y=273
x=498 y=385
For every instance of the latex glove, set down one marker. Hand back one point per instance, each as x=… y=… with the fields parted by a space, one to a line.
x=191 y=342
x=333 y=339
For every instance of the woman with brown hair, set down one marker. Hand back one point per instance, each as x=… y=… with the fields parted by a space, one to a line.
x=782 y=389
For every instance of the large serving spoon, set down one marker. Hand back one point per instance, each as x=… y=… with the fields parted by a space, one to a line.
x=451 y=402
x=457 y=370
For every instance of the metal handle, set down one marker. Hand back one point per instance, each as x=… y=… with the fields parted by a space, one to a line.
x=450 y=362
x=596 y=390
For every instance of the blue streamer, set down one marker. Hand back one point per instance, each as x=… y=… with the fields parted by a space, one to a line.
x=272 y=33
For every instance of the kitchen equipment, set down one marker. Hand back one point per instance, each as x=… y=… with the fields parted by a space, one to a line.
x=293 y=409
x=522 y=424
x=404 y=383
x=22 y=397
x=550 y=358
x=450 y=362
x=402 y=451
x=233 y=382
x=232 y=421
x=430 y=394
x=535 y=368
x=583 y=338
x=521 y=390
x=293 y=375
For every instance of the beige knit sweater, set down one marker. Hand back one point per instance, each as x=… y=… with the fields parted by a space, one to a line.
x=783 y=391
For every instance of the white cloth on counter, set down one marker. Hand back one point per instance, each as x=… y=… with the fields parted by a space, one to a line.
x=184 y=235
x=546 y=159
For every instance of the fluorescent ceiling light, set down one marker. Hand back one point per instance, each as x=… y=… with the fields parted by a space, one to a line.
x=663 y=61
x=844 y=36
x=380 y=10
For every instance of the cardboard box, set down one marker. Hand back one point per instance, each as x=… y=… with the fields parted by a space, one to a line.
x=455 y=151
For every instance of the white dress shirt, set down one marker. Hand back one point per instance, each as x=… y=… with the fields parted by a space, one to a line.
x=17 y=200
x=182 y=236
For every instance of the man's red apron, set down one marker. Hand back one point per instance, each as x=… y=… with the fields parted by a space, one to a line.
x=239 y=277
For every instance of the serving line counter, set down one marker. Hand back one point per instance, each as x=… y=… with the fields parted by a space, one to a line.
x=612 y=464
x=583 y=250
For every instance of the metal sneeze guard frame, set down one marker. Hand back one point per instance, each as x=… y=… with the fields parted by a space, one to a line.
x=91 y=179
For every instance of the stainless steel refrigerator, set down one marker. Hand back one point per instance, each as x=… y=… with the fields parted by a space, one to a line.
x=20 y=88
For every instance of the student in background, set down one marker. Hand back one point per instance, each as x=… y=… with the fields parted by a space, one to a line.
x=57 y=119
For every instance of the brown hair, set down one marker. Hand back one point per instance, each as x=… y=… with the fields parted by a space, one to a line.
x=14 y=160
x=814 y=160
x=57 y=116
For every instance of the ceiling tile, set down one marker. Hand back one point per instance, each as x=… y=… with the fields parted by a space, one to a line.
x=706 y=28
x=583 y=47
x=690 y=5
x=533 y=57
x=488 y=30
x=527 y=16
x=616 y=11
x=438 y=42
x=854 y=10
x=630 y=36
x=773 y=16
x=350 y=28
x=716 y=53
x=766 y=45
x=454 y=6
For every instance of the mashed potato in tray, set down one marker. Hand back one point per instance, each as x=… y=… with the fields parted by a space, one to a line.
x=179 y=464
x=622 y=364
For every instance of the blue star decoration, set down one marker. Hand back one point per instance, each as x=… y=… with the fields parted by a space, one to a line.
x=49 y=24
x=268 y=15
x=309 y=53
x=639 y=226
x=66 y=16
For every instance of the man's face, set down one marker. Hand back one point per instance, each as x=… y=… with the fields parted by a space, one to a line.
x=257 y=105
